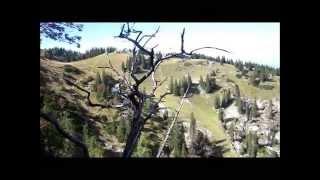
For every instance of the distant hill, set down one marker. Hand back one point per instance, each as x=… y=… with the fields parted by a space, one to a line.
x=200 y=104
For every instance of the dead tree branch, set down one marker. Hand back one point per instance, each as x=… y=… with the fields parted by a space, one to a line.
x=121 y=77
x=57 y=126
x=88 y=97
x=137 y=98
x=173 y=122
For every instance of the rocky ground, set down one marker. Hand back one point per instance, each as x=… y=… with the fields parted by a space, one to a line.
x=266 y=128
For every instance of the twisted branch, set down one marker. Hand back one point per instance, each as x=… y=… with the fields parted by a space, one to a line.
x=173 y=122
x=57 y=126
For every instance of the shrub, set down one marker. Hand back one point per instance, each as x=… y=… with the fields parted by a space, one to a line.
x=230 y=80
x=187 y=64
x=71 y=69
x=266 y=87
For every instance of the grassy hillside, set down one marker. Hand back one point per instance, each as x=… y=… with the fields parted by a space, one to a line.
x=200 y=104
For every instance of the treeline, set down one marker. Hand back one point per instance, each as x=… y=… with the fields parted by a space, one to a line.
x=210 y=83
x=178 y=87
x=242 y=66
x=63 y=55
x=143 y=62
x=104 y=84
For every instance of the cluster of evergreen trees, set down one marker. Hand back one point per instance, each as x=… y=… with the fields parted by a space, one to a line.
x=123 y=129
x=119 y=126
x=179 y=87
x=249 y=109
x=177 y=141
x=64 y=55
x=200 y=144
x=224 y=100
x=259 y=73
x=209 y=84
x=250 y=146
x=243 y=67
x=104 y=83
x=142 y=62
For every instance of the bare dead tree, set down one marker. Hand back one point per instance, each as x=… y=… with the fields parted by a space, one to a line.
x=132 y=97
x=137 y=98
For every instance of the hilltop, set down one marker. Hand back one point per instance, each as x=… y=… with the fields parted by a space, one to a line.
x=202 y=104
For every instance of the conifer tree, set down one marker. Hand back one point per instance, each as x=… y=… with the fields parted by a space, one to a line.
x=123 y=67
x=254 y=109
x=253 y=78
x=184 y=152
x=171 y=85
x=220 y=115
x=217 y=102
x=98 y=81
x=193 y=128
x=189 y=80
x=201 y=82
x=270 y=109
x=176 y=88
x=248 y=111
x=208 y=85
x=239 y=104
x=182 y=91
x=123 y=130
x=252 y=145
x=177 y=140
x=237 y=91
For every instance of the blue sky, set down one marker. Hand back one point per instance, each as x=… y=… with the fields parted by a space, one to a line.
x=255 y=42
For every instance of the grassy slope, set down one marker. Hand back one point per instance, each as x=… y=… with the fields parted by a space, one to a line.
x=201 y=105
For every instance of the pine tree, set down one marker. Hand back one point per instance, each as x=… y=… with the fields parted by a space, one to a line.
x=270 y=109
x=220 y=115
x=201 y=82
x=122 y=130
x=184 y=151
x=165 y=115
x=180 y=84
x=189 y=80
x=253 y=78
x=177 y=140
x=171 y=85
x=106 y=82
x=103 y=77
x=239 y=104
x=176 y=88
x=184 y=83
x=252 y=145
x=217 y=102
x=222 y=100
x=101 y=91
x=98 y=81
x=225 y=98
x=237 y=91
x=208 y=84
x=228 y=96
x=123 y=67
x=129 y=63
x=254 y=109
x=192 y=129
x=248 y=111
x=182 y=91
